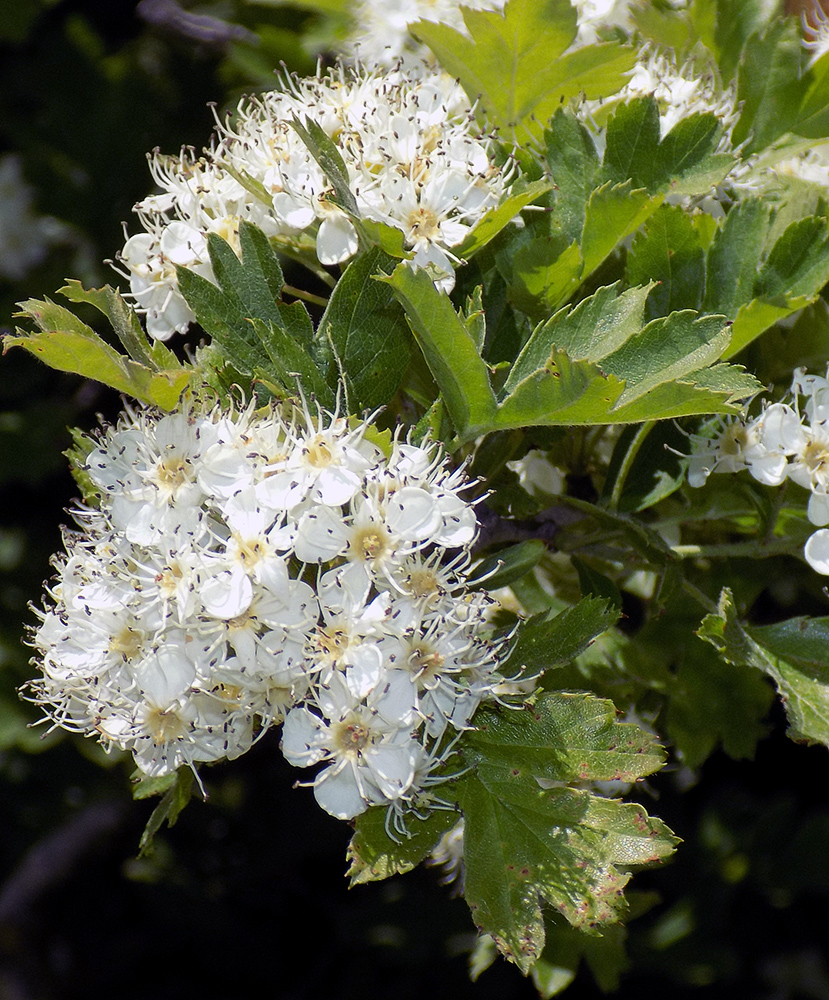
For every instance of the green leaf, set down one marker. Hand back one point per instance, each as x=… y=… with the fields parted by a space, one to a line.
x=146 y=787
x=564 y=737
x=223 y=317
x=648 y=457
x=524 y=843
x=69 y=345
x=633 y=134
x=589 y=331
x=669 y=347
x=553 y=639
x=325 y=152
x=734 y=257
x=542 y=276
x=514 y=63
x=755 y=292
x=792 y=653
x=713 y=703
x=373 y=855
x=124 y=320
x=247 y=283
x=687 y=161
x=507 y=565
x=262 y=264
x=366 y=328
x=769 y=87
x=684 y=162
x=448 y=347
x=256 y=333
x=669 y=251
x=565 y=948
x=575 y=169
x=290 y=365
x=614 y=370
x=614 y=212
x=169 y=808
x=592 y=583
x=798 y=264
x=725 y=26
x=494 y=220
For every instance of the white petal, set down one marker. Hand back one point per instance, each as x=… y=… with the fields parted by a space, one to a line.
x=392 y=768
x=818 y=509
x=336 y=240
x=338 y=794
x=816 y=551
x=320 y=536
x=227 y=594
x=302 y=734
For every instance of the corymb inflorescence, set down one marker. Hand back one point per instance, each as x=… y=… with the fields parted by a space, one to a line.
x=241 y=568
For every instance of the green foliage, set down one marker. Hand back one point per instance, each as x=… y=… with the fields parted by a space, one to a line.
x=256 y=333
x=64 y=342
x=364 y=331
x=593 y=317
x=516 y=65
x=178 y=789
x=792 y=653
x=374 y=855
x=549 y=640
x=524 y=843
x=599 y=205
x=574 y=370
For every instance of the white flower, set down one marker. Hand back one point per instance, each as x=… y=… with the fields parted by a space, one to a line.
x=246 y=567
x=368 y=745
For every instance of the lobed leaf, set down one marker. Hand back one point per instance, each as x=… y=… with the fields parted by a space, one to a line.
x=524 y=844
x=515 y=64
x=67 y=344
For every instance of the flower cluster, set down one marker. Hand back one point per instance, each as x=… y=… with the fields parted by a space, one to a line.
x=413 y=157
x=244 y=568
x=787 y=441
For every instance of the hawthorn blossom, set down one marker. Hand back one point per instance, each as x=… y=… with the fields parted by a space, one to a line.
x=414 y=160
x=242 y=569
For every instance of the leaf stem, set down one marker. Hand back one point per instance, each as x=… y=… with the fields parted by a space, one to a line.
x=299 y=293
x=701 y=598
x=731 y=550
x=627 y=462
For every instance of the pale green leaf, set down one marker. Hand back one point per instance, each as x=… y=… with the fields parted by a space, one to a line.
x=514 y=63
x=70 y=346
